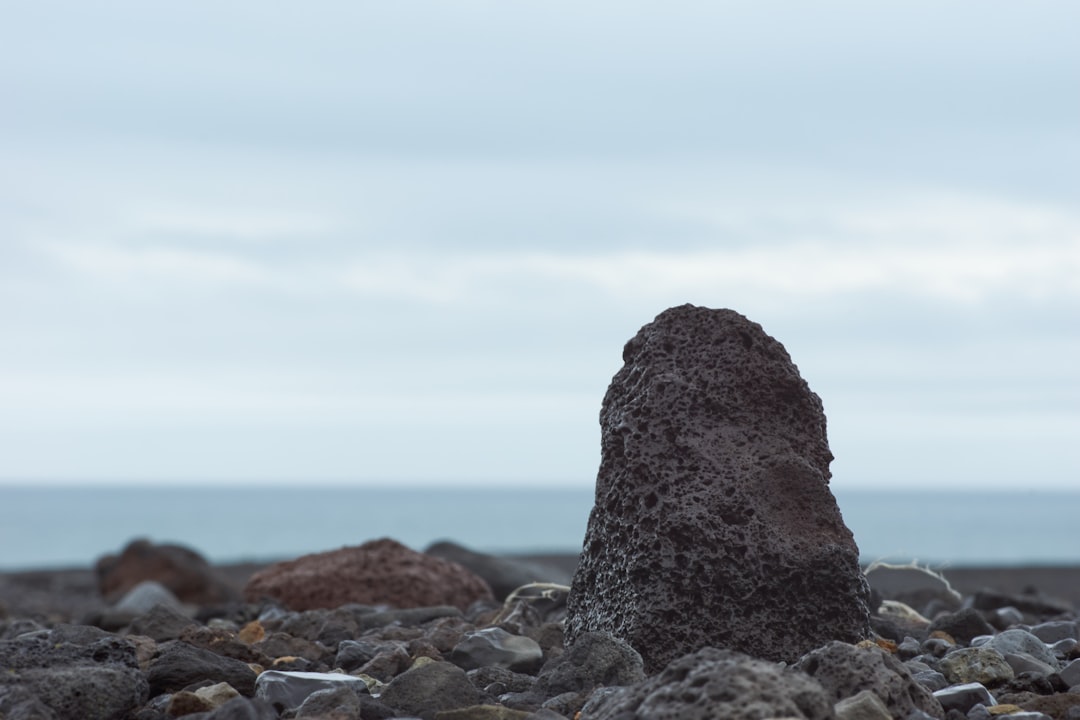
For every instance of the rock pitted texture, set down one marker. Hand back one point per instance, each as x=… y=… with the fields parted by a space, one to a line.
x=843 y=670
x=713 y=522
x=380 y=572
x=716 y=684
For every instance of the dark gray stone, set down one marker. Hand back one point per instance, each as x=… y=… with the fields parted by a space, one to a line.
x=18 y=702
x=497 y=681
x=1024 y=663
x=1051 y=632
x=844 y=670
x=595 y=659
x=87 y=692
x=352 y=654
x=964 y=697
x=76 y=672
x=163 y=622
x=711 y=684
x=430 y=688
x=180 y=664
x=1070 y=674
x=343 y=702
x=713 y=522
x=289 y=690
x=962 y=624
x=495 y=646
x=1021 y=641
x=932 y=680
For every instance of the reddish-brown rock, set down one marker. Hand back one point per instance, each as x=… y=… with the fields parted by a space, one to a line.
x=183 y=571
x=380 y=572
x=713 y=523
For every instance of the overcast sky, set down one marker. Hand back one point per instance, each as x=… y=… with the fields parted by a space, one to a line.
x=406 y=241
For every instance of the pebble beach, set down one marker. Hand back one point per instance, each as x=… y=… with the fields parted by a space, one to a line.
x=1003 y=640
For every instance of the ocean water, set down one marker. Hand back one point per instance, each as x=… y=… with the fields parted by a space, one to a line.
x=73 y=526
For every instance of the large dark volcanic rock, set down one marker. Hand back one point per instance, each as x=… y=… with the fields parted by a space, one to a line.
x=713 y=523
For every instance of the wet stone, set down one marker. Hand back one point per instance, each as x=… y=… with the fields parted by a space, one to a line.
x=288 y=690
x=495 y=646
x=963 y=697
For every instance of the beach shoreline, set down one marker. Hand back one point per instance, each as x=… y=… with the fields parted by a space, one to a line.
x=64 y=590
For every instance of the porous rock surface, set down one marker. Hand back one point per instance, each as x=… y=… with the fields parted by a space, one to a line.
x=713 y=523
x=380 y=572
x=713 y=684
x=844 y=670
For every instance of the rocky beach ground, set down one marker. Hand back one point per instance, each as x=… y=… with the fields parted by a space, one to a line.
x=155 y=632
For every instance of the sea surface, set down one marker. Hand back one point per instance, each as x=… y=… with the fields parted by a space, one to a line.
x=44 y=527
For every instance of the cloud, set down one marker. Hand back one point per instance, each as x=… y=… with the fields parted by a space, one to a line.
x=957 y=250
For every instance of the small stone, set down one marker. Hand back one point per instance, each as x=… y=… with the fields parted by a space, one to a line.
x=595 y=659
x=1003 y=709
x=1022 y=641
x=976 y=665
x=180 y=664
x=162 y=622
x=864 y=705
x=184 y=702
x=908 y=648
x=962 y=625
x=289 y=690
x=964 y=697
x=932 y=680
x=217 y=694
x=352 y=654
x=341 y=701
x=143 y=597
x=429 y=689
x=1051 y=632
x=387 y=663
x=1070 y=674
x=1056 y=706
x=495 y=646
x=1065 y=649
x=1024 y=663
x=251 y=633
x=1004 y=618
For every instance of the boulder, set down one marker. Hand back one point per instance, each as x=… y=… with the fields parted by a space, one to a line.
x=183 y=571
x=713 y=683
x=843 y=670
x=713 y=523
x=380 y=572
